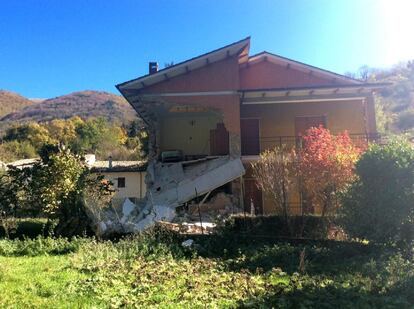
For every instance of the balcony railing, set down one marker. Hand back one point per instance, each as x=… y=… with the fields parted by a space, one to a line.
x=270 y=142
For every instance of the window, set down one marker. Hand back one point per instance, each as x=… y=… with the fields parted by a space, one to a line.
x=121 y=182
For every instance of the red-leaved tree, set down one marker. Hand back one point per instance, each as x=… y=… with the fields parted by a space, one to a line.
x=326 y=167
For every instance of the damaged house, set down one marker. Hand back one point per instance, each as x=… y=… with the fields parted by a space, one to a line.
x=209 y=117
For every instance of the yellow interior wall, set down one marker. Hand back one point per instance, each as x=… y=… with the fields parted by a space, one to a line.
x=189 y=132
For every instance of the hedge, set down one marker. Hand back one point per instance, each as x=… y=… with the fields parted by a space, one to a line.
x=29 y=228
x=314 y=227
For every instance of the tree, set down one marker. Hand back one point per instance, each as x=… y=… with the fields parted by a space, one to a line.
x=89 y=135
x=326 y=167
x=95 y=135
x=14 y=150
x=276 y=175
x=63 y=131
x=8 y=202
x=58 y=186
x=32 y=132
x=379 y=206
x=62 y=182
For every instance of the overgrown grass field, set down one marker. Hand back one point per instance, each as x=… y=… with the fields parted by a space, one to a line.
x=155 y=270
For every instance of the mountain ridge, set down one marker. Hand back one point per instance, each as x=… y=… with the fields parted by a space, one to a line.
x=85 y=104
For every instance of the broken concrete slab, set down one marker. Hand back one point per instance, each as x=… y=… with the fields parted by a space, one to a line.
x=171 y=185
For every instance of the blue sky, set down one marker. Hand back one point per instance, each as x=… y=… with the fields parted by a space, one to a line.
x=50 y=47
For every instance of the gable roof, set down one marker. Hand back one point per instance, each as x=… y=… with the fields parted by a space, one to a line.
x=240 y=48
x=277 y=59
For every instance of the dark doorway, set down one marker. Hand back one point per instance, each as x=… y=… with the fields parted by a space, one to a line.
x=250 y=136
x=252 y=195
x=219 y=140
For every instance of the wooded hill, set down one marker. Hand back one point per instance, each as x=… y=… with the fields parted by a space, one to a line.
x=395 y=103
x=11 y=102
x=85 y=104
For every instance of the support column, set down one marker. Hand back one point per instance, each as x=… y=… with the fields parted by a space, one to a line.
x=370 y=115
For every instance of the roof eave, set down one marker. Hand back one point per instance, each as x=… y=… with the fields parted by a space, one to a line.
x=302 y=64
x=244 y=43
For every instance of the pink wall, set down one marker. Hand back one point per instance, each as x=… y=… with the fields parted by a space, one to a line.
x=218 y=76
x=266 y=74
x=222 y=75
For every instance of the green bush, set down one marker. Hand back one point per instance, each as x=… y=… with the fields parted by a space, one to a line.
x=30 y=228
x=379 y=206
x=275 y=226
x=40 y=246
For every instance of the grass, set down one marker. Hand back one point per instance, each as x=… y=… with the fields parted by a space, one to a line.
x=154 y=270
x=40 y=282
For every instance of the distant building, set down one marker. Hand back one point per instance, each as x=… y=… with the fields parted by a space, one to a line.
x=127 y=177
x=20 y=164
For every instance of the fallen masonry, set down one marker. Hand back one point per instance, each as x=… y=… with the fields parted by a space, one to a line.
x=170 y=185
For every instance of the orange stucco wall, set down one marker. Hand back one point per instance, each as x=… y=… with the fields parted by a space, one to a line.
x=279 y=120
x=265 y=74
x=218 y=76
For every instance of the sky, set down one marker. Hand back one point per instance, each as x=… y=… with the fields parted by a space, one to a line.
x=53 y=47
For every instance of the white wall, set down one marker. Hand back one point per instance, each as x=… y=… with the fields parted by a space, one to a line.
x=134 y=184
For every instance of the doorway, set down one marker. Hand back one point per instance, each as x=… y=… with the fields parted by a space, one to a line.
x=250 y=136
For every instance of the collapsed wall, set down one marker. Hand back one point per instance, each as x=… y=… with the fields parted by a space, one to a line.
x=170 y=185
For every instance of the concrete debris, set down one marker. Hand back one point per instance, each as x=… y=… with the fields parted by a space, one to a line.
x=127 y=208
x=170 y=185
x=187 y=243
x=220 y=206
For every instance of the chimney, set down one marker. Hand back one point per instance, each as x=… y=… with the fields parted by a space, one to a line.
x=110 y=162
x=152 y=67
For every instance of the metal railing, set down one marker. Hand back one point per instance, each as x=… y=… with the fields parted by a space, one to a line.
x=270 y=142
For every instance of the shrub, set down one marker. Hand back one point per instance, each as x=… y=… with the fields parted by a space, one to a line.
x=30 y=228
x=275 y=173
x=59 y=186
x=379 y=205
x=326 y=167
x=405 y=120
x=40 y=246
x=275 y=226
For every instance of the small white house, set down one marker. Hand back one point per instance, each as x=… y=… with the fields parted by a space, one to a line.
x=127 y=177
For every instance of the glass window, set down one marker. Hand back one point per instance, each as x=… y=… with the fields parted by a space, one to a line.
x=121 y=182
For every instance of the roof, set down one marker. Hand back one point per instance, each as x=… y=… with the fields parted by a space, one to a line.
x=23 y=163
x=341 y=86
x=97 y=166
x=277 y=59
x=133 y=87
x=240 y=48
x=310 y=93
x=119 y=166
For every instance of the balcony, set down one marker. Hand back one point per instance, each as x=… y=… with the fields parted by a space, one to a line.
x=270 y=142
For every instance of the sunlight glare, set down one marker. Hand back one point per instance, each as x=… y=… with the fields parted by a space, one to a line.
x=397 y=26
